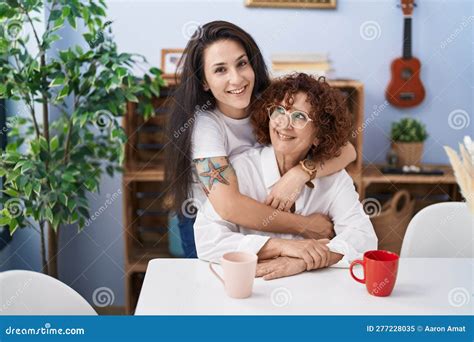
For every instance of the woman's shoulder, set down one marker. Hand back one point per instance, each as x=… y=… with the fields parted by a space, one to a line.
x=208 y=118
x=246 y=161
x=339 y=179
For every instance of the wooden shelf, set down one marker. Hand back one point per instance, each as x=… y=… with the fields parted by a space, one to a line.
x=373 y=174
x=156 y=173
x=145 y=215
x=425 y=189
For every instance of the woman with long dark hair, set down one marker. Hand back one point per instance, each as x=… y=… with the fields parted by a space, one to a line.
x=223 y=71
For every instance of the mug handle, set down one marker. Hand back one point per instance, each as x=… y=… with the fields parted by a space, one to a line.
x=355 y=262
x=215 y=273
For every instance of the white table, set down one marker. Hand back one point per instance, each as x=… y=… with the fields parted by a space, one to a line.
x=424 y=287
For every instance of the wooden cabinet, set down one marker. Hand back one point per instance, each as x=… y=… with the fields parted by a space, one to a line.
x=145 y=216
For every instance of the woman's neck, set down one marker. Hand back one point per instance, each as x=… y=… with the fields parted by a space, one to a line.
x=232 y=112
x=287 y=161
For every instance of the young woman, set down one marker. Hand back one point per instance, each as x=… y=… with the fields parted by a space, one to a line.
x=222 y=73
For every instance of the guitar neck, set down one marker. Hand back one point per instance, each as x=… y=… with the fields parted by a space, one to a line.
x=407 y=38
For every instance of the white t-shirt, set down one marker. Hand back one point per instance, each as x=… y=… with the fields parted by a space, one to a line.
x=216 y=135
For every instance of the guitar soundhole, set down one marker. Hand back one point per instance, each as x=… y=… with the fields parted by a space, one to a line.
x=407 y=96
x=406 y=74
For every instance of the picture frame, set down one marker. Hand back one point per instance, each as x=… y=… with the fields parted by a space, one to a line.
x=321 y=4
x=169 y=62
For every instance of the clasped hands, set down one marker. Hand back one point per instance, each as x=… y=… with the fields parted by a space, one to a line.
x=296 y=256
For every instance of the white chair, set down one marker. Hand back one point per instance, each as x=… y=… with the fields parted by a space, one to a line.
x=441 y=230
x=33 y=293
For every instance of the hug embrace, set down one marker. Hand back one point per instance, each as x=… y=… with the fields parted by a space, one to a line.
x=263 y=159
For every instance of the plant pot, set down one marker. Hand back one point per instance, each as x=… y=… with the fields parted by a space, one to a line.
x=408 y=153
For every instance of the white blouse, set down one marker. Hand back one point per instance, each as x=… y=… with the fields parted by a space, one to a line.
x=257 y=172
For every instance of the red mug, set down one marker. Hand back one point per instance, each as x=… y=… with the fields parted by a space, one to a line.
x=380 y=272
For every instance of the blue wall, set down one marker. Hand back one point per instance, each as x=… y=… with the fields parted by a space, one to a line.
x=447 y=70
x=443 y=41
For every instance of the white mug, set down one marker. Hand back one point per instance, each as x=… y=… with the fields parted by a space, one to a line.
x=239 y=273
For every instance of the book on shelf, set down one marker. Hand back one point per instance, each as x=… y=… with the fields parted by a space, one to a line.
x=317 y=64
x=301 y=66
x=326 y=73
x=300 y=57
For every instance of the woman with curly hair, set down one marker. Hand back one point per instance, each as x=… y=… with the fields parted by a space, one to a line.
x=296 y=118
x=223 y=72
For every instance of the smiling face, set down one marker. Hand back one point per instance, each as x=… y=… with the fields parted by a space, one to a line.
x=229 y=76
x=292 y=142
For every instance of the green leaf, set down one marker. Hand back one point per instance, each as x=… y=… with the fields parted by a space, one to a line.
x=68 y=177
x=27 y=166
x=54 y=15
x=11 y=192
x=19 y=164
x=49 y=214
x=35 y=146
x=71 y=205
x=4 y=221
x=58 y=23
x=90 y=184
x=72 y=21
x=28 y=189
x=54 y=37
x=155 y=71
x=130 y=97
x=57 y=81
x=54 y=143
x=12 y=147
x=66 y=11
x=63 y=93
x=43 y=143
x=56 y=222
x=13 y=226
x=121 y=72
x=83 y=212
x=110 y=170
x=63 y=199
x=37 y=188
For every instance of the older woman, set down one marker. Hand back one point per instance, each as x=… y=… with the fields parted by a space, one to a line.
x=300 y=116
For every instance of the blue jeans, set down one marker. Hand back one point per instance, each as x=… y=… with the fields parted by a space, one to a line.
x=187 y=236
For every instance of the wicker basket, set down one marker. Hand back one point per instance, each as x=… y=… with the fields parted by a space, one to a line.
x=392 y=222
x=408 y=153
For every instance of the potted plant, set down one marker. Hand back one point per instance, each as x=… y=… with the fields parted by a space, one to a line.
x=408 y=136
x=49 y=165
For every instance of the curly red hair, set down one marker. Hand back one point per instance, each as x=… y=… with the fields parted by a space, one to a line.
x=328 y=110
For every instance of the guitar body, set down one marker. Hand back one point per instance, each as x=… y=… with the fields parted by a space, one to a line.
x=405 y=88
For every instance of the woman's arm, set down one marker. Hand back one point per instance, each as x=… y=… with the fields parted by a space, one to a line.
x=315 y=253
x=221 y=186
x=285 y=266
x=287 y=189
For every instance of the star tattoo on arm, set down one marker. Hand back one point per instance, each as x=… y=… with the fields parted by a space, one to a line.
x=212 y=170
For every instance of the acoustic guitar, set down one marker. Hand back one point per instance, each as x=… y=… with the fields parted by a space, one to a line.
x=405 y=88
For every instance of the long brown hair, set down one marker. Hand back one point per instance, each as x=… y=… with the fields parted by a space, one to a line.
x=190 y=97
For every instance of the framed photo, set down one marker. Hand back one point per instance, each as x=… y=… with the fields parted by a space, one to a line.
x=292 y=3
x=170 y=62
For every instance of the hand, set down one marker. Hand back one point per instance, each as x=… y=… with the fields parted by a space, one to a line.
x=285 y=192
x=315 y=253
x=280 y=267
x=318 y=226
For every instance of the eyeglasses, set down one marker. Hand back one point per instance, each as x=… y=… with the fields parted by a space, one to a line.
x=298 y=119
